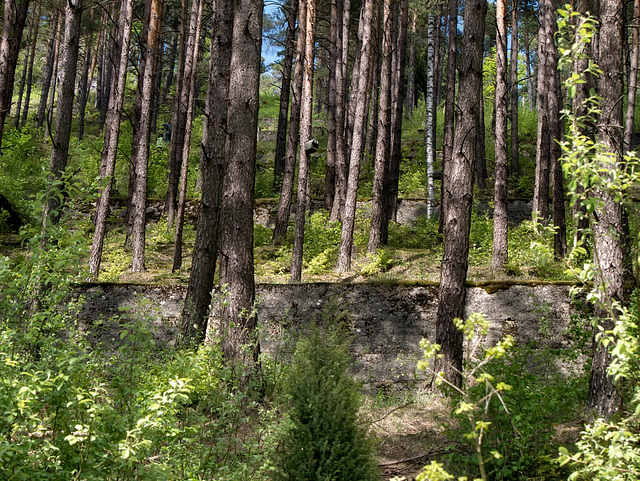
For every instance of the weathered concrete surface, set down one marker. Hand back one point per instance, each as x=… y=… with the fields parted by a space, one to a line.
x=387 y=320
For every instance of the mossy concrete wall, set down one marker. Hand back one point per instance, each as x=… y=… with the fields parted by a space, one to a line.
x=387 y=320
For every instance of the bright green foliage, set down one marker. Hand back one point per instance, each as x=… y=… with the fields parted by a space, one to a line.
x=479 y=387
x=131 y=408
x=324 y=439
x=608 y=449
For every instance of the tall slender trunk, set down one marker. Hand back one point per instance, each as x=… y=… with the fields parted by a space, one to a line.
x=332 y=106
x=112 y=135
x=31 y=40
x=513 y=86
x=411 y=67
x=458 y=197
x=359 y=123
x=32 y=55
x=286 y=193
x=303 y=195
x=383 y=147
x=15 y=17
x=48 y=68
x=527 y=58
x=240 y=344
x=430 y=119
x=83 y=89
x=608 y=229
x=188 y=97
x=556 y=128
x=397 y=104
x=341 y=121
x=140 y=162
x=205 y=252
x=541 y=187
x=177 y=125
x=500 y=222
x=633 y=78
x=170 y=68
x=285 y=95
x=60 y=148
x=450 y=95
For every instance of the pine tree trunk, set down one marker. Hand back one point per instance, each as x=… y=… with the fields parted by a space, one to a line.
x=239 y=334
x=285 y=95
x=541 y=187
x=359 y=123
x=450 y=96
x=633 y=78
x=111 y=53
x=500 y=222
x=205 y=252
x=140 y=161
x=397 y=104
x=188 y=98
x=177 y=125
x=286 y=193
x=332 y=105
x=342 y=80
x=32 y=56
x=458 y=195
x=411 y=67
x=170 y=68
x=608 y=232
x=48 y=69
x=383 y=147
x=83 y=89
x=306 y=111
x=527 y=58
x=112 y=134
x=513 y=86
x=31 y=39
x=15 y=17
x=556 y=128
x=60 y=148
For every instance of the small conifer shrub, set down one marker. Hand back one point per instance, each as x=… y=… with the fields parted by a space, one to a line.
x=324 y=438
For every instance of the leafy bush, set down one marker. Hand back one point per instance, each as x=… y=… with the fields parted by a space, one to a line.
x=323 y=437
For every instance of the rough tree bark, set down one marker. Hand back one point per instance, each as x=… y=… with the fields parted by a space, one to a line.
x=238 y=323
x=633 y=77
x=342 y=82
x=513 y=86
x=286 y=192
x=359 y=122
x=15 y=17
x=450 y=97
x=112 y=133
x=285 y=96
x=188 y=97
x=397 y=105
x=60 y=148
x=543 y=144
x=608 y=233
x=177 y=124
x=500 y=223
x=205 y=252
x=458 y=196
x=306 y=111
x=335 y=54
x=141 y=159
x=83 y=88
x=32 y=56
x=47 y=74
x=383 y=147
